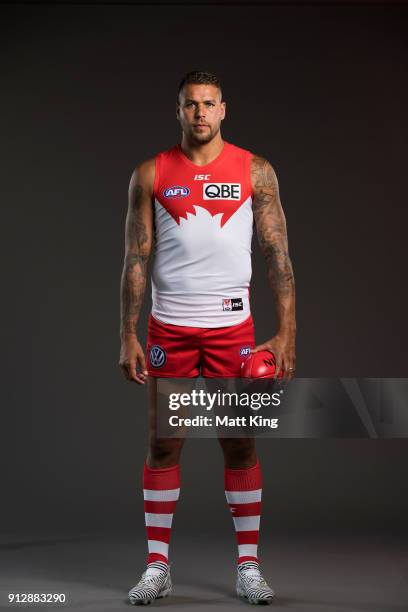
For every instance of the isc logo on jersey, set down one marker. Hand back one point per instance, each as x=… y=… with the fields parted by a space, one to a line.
x=222 y=191
x=176 y=192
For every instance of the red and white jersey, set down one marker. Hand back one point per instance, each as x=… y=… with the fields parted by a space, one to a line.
x=203 y=226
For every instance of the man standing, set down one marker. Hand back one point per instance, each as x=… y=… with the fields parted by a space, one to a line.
x=197 y=202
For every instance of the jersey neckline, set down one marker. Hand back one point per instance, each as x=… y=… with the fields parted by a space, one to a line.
x=224 y=151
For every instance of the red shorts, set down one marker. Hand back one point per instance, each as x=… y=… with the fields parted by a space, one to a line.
x=178 y=351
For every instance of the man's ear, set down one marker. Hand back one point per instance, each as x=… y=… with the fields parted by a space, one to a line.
x=178 y=111
x=224 y=106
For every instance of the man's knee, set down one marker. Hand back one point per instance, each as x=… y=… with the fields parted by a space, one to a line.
x=238 y=451
x=164 y=452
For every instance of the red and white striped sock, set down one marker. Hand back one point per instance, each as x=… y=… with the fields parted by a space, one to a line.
x=161 y=489
x=243 y=490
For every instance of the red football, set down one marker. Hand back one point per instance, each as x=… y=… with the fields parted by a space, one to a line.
x=260 y=365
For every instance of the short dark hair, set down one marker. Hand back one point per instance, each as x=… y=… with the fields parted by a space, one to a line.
x=199 y=77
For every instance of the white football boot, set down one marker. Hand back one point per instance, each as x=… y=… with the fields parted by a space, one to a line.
x=251 y=585
x=154 y=583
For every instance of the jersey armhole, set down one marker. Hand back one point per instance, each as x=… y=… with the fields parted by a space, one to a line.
x=247 y=171
x=156 y=175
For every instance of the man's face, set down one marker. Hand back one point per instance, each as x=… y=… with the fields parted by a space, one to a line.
x=200 y=112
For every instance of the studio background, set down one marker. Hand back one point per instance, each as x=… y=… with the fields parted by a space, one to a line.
x=88 y=92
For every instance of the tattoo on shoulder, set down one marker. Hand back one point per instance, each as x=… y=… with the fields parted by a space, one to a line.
x=262 y=174
x=265 y=183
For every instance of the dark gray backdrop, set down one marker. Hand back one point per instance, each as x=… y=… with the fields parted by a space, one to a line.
x=87 y=93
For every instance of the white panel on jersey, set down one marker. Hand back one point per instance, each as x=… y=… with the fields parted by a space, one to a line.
x=198 y=263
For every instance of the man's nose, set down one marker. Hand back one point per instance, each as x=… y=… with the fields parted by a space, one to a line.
x=200 y=110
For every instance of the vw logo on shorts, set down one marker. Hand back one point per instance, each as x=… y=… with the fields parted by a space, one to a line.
x=157 y=356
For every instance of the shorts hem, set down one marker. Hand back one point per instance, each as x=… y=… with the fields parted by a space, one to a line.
x=220 y=375
x=161 y=375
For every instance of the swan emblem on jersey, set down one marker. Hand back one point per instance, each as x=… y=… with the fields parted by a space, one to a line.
x=216 y=198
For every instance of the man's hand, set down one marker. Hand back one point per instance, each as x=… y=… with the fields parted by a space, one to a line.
x=132 y=359
x=283 y=347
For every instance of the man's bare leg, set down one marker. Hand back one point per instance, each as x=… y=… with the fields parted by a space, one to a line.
x=238 y=452
x=162 y=452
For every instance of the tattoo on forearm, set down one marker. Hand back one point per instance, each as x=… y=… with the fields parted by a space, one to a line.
x=133 y=280
x=279 y=268
x=271 y=228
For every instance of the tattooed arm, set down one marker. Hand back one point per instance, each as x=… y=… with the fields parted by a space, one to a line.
x=138 y=241
x=271 y=229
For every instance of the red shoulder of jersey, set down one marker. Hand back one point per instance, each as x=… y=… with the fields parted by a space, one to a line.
x=220 y=187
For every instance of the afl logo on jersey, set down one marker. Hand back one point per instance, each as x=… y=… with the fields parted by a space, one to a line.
x=176 y=192
x=157 y=356
x=222 y=191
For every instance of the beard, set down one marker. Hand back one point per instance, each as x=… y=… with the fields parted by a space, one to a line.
x=202 y=138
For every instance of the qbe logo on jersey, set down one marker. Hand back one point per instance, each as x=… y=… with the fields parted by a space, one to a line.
x=222 y=191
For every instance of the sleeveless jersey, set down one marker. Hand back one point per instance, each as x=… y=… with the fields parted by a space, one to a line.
x=203 y=233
